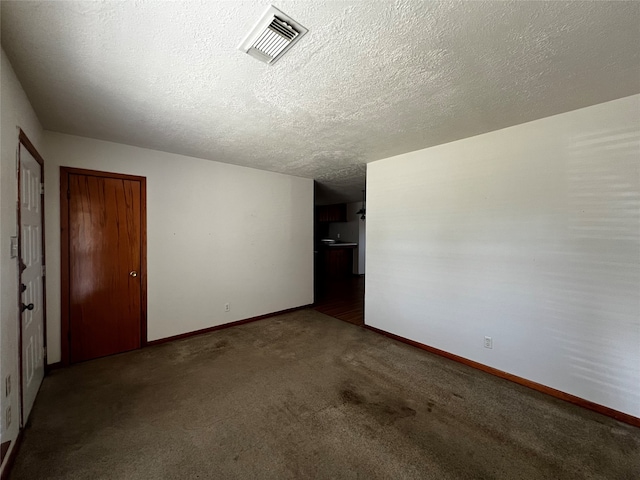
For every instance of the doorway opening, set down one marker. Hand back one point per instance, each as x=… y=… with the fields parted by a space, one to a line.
x=339 y=253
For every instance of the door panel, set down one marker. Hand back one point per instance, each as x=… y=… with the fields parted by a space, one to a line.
x=31 y=279
x=105 y=274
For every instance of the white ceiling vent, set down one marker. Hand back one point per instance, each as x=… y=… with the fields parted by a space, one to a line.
x=272 y=36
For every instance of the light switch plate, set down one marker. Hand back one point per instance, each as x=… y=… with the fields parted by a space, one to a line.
x=14 y=247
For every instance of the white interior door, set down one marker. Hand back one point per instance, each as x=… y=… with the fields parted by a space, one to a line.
x=31 y=279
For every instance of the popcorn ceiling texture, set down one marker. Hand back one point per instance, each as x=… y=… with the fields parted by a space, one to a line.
x=371 y=79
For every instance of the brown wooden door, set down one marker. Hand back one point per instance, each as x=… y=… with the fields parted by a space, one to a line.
x=106 y=271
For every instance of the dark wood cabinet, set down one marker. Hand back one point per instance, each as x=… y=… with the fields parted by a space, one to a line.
x=335 y=262
x=331 y=213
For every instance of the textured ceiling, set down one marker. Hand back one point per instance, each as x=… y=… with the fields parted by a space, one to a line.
x=371 y=79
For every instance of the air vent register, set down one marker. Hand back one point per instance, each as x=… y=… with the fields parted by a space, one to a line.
x=273 y=35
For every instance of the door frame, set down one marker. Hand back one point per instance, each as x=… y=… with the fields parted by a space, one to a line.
x=65 y=266
x=24 y=141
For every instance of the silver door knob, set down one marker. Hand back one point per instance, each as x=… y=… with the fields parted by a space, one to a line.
x=133 y=274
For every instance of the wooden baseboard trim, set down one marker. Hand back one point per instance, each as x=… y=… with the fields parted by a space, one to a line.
x=12 y=456
x=610 y=412
x=224 y=325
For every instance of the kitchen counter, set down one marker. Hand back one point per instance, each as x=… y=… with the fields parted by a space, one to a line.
x=338 y=245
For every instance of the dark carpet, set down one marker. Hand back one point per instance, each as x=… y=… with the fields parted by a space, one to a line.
x=304 y=395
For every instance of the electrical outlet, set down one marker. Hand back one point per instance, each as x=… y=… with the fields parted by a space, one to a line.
x=488 y=342
x=338 y=236
x=7 y=386
x=227 y=307
x=7 y=417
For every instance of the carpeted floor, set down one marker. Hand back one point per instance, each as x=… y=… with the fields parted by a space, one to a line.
x=304 y=395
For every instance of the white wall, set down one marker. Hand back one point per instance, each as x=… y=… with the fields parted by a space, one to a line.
x=216 y=233
x=353 y=230
x=16 y=112
x=530 y=235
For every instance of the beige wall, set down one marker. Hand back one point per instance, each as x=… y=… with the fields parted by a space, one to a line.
x=16 y=111
x=216 y=234
x=529 y=235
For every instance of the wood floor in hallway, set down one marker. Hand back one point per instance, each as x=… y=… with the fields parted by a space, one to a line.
x=342 y=299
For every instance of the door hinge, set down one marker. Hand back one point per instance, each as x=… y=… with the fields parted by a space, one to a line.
x=42 y=189
x=68 y=194
x=44 y=270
